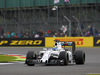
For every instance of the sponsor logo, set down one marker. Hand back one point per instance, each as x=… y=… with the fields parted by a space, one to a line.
x=77 y=41
x=22 y=42
x=3 y=42
x=96 y=41
x=25 y=42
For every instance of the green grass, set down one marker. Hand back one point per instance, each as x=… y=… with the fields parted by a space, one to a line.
x=4 y=58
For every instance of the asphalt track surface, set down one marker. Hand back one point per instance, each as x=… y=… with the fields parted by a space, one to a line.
x=92 y=64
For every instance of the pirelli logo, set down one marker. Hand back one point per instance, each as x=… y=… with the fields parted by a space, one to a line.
x=96 y=41
x=22 y=42
x=26 y=42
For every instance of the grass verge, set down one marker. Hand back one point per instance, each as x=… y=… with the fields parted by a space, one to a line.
x=6 y=58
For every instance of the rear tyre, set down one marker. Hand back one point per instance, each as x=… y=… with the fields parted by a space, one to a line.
x=64 y=57
x=79 y=57
x=30 y=57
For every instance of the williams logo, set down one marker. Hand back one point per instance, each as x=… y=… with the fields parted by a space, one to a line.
x=77 y=41
x=96 y=41
x=22 y=42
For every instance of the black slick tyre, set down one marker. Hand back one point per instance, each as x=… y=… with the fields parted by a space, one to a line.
x=79 y=57
x=30 y=57
x=64 y=56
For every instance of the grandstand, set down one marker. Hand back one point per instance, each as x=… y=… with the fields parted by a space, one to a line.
x=34 y=15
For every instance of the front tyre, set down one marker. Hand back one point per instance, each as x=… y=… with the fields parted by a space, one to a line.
x=30 y=57
x=63 y=56
x=79 y=57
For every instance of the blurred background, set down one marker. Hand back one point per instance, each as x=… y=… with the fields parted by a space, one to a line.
x=49 y=18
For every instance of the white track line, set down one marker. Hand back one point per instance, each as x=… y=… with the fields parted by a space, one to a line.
x=6 y=63
x=11 y=63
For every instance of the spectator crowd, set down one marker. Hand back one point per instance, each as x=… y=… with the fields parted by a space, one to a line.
x=90 y=31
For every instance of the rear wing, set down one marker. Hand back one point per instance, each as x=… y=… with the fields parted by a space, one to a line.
x=67 y=43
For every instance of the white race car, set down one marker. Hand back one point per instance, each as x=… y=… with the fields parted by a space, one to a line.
x=58 y=55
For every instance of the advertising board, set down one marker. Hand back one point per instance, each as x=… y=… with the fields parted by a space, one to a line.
x=79 y=41
x=97 y=41
x=23 y=42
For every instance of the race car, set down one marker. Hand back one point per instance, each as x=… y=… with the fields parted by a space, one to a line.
x=58 y=55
